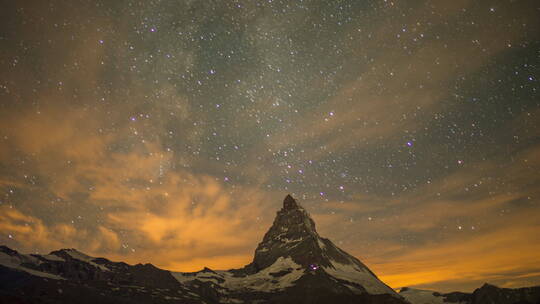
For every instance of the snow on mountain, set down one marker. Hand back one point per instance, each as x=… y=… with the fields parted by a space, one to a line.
x=283 y=273
x=279 y=275
x=14 y=260
x=77 y=255
x=420 y=296
x=352 y=273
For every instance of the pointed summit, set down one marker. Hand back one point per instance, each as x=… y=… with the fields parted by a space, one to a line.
x=289 y=203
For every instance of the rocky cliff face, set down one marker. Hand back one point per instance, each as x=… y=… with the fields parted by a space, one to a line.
x=293 y=234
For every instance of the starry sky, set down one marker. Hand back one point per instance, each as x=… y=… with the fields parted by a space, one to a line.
x=169 y=132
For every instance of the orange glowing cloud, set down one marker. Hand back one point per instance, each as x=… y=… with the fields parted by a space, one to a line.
x=33 y=235
x=143 y=208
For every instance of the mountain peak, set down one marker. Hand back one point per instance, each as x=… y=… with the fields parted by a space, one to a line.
x=290 y=203
x=293 y=236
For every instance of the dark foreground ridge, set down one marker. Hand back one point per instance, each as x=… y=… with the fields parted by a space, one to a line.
x=292 y=264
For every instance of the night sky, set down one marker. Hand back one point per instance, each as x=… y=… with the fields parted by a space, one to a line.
x=169 y=132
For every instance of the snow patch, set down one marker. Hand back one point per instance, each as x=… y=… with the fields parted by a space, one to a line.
x=286 y=240
x=14 y=262
x=419 y=296
x=85 y=258
x=263 y=281
x=355 y=274
x=201 y=276
x=264 y=249
x=260 y=281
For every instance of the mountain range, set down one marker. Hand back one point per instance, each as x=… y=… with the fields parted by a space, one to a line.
x=292 y=264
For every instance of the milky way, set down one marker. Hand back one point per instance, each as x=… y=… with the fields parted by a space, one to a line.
x=170 y=131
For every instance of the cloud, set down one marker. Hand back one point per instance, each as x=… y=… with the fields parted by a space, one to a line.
x=141 y=206
x=30 y=234
x=194 y=220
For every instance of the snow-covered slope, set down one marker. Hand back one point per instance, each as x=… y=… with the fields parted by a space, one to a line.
x=355 y=274
x=75 y=254
x=79 y=278
x=420 y=296
x=282 y=274
x=15 y=260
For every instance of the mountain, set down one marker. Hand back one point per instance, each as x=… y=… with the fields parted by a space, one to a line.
x=487 y=294
x=292 y=264
x=69 y=276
